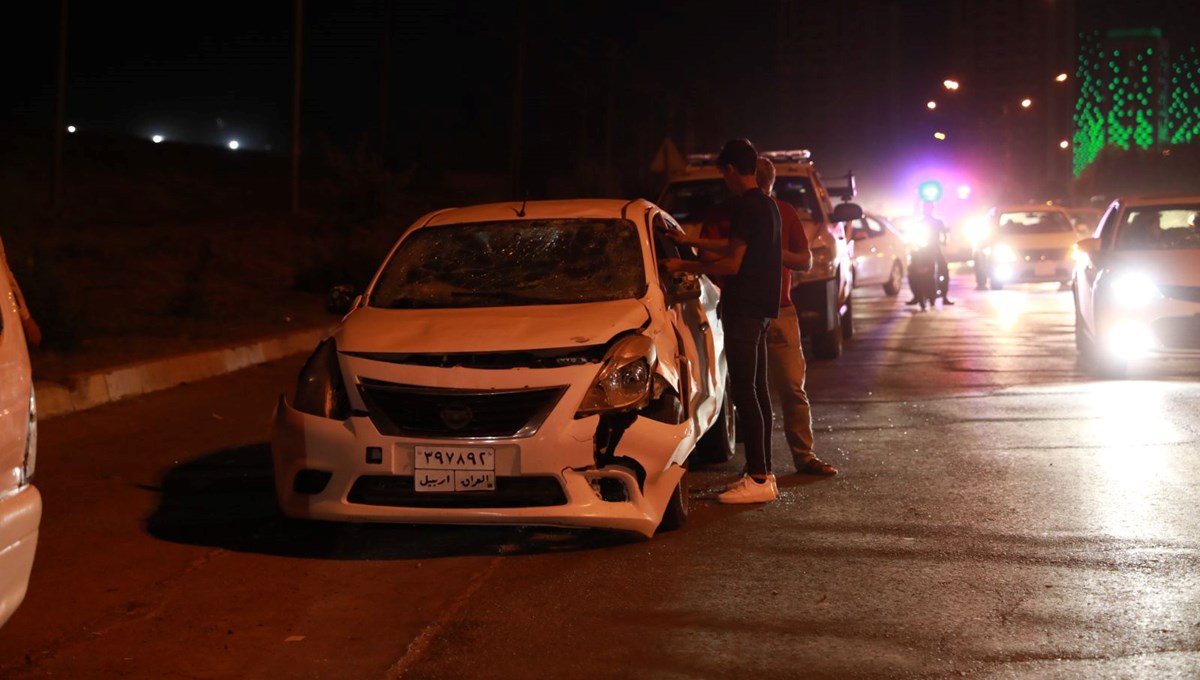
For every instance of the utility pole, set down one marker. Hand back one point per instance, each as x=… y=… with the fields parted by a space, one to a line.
x=297 y=53
x=518 y=105
x=60 y=113
x=385 y=81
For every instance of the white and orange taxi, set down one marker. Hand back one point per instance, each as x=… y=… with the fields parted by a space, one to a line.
x=513 y=363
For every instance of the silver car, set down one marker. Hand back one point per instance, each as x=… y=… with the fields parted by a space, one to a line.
x=1137 y=283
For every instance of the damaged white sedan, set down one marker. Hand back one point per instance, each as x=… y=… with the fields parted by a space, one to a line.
x=513 y=363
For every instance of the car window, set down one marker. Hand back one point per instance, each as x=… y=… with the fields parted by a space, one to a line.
x=874 y=227
x=1034 y=222
x=798 y=191
x=691 y=201
x=1164 y=227
x=526 y=262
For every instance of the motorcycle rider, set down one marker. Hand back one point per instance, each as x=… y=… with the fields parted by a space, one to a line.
x=938 y=234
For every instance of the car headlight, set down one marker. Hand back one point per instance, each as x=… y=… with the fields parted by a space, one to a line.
x=320 y=390
x=625 y=379
x=918 y=234
x=1003 y=253
x=1134 y=290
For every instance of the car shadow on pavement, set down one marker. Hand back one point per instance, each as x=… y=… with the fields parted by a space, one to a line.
x=227 y=500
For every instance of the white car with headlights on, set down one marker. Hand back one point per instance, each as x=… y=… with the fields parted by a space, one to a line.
x=20 y=502
x=1137 y=283
x=513 y=363
x=880 y=256
x=1024 y=244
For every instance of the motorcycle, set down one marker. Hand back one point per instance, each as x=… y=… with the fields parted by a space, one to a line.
x=925 y=279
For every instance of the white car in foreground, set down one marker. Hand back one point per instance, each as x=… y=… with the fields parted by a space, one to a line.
x=513 y=364
x=1137 y=283
x=20 y=502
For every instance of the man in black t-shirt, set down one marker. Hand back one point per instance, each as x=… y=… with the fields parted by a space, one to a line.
x=751 y=261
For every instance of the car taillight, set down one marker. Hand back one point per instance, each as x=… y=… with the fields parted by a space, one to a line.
x=320 y=390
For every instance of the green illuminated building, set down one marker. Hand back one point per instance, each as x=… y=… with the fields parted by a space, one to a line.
x=1134 y=94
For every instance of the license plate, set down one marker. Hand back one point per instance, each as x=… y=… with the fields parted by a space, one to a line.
x=1044 y=269
x=448 y=469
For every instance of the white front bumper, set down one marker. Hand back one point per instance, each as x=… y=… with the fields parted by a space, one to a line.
x=562 y=449
x=20 y=515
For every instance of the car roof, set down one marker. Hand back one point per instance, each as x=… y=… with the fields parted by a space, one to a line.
x=582 y=208
x=788 y=163
x=1028 y=207
x=1142 y=201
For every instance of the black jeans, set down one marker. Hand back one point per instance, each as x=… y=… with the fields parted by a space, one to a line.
x=746 y=355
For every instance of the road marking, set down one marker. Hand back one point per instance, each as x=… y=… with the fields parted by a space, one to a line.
x=416 y=648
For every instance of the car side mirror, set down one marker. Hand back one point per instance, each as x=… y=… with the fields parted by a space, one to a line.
x=682 y=287
x=847 y=212
x=1091 y=247
x=342 y=298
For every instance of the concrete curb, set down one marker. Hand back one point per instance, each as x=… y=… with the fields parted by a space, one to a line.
x=93 y=389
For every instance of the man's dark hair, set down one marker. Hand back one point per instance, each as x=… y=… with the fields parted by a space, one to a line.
x=739 y=153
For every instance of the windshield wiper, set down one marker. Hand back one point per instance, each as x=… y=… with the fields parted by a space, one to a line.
x=509 y=296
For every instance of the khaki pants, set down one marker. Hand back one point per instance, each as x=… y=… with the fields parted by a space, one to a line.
x=785 y=368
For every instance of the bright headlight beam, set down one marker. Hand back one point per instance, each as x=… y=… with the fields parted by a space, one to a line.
x=1134 y=290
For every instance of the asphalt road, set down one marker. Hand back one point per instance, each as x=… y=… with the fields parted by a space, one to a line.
x=999 y=513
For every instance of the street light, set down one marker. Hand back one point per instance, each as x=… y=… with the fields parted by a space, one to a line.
x=1062 y=77
x=939 y=135
x=233 y=144
x=1026 y=103
x=157 y=139
x=950 y=84
x=71 y=129
x=1064 y=144
x=931 y=105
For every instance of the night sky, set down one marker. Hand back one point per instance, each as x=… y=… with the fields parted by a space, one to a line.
x=206 y=72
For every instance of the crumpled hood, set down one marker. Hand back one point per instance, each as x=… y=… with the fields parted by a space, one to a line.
x=1165 y=267
x=487 y=329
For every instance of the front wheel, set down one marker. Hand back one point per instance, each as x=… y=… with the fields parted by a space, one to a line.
x=848 y=319
x=980 y=268
x=719 y=444
x=678 y=508
x=892 y=285
x=828 y=345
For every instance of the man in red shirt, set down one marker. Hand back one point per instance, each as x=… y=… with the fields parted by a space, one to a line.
x=785 y=357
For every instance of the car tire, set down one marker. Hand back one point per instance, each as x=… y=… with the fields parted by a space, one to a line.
x=1083 y=344
x=847 y=319
x=828 y=345
x=892 y=285
x=719 y=444
x=678 y=508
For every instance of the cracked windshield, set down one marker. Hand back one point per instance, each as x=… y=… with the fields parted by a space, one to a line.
x=499 y=264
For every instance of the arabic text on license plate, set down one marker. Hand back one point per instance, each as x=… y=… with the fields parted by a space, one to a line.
x=449 y=481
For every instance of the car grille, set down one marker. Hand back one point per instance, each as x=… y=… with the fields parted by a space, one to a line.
x=511 y=492
x=1050 y=255
x=1178 y=332
x=1185 y=293
x=412 y=410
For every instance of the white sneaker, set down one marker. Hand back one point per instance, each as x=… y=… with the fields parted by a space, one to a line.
x=746 y=490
